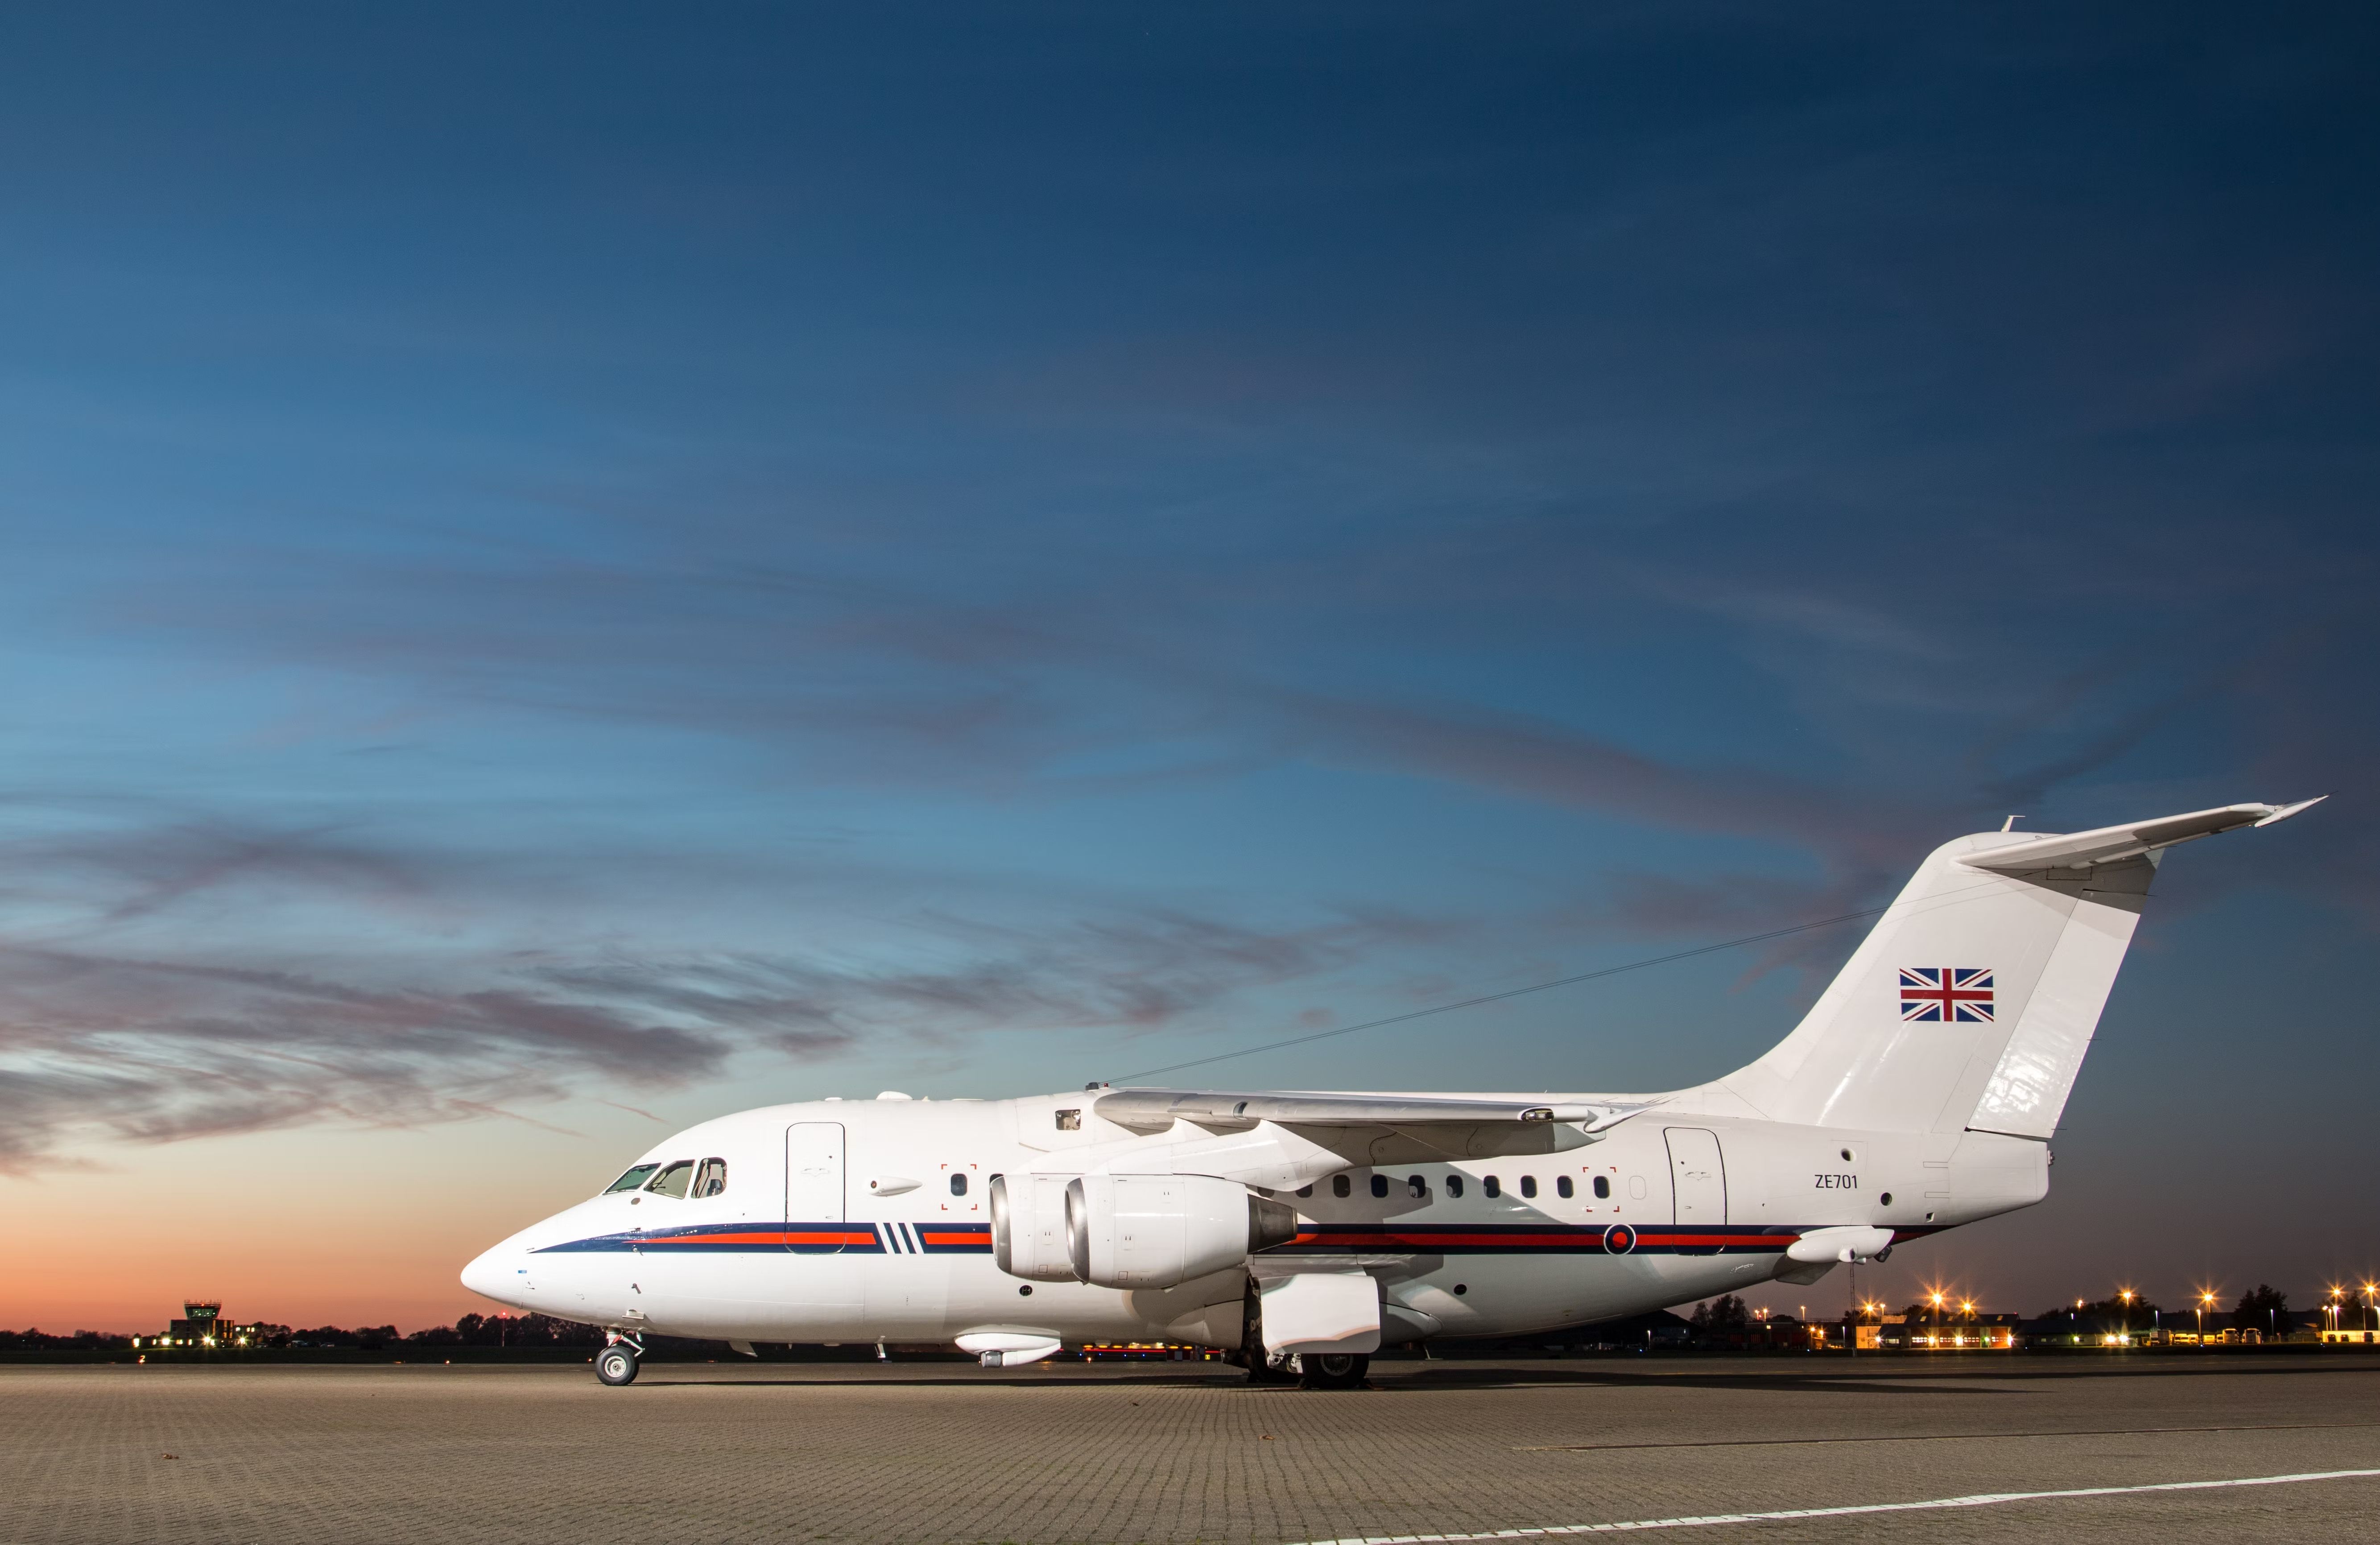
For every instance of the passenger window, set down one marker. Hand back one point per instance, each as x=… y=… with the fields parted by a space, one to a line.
x=712 y=1179
x=630 y=1181
x=1380 y=1185
x=958 y=1184
x=1562 y=1185
x=1339 y=1186
x=1602 y=1186
x=1528 y=1185
x=1455 y=1186
x=673 y=1181
x=1305 y=1190
x=1417 y=1187
x=1069 y=1121
x=1490 y=1186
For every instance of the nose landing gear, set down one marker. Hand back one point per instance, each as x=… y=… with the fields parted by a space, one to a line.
x=616 y=1363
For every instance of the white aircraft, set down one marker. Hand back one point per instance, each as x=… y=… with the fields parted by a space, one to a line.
x=1301 y=1229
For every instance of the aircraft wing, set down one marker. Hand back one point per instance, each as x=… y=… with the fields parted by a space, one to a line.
x=2083 y=849
x=1156 y=1109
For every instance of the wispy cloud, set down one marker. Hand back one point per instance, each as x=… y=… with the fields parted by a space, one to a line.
x=412 y=1025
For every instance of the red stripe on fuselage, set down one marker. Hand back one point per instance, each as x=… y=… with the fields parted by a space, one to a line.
x=763 y=1236
x=1590 y=1236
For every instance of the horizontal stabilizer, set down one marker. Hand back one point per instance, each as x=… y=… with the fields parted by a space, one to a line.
x=2109 y=844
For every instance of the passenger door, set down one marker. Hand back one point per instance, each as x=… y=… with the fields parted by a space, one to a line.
x=1697 y=1175
x=814 y=1216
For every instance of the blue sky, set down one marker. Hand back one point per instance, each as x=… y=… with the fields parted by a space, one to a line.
x=576 y=568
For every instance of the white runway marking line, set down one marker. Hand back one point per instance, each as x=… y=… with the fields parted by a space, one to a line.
x=1984 y=1499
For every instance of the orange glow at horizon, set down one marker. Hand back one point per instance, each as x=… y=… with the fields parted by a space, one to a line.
x=308 y=1228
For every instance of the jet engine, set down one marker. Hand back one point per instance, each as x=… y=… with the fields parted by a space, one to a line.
x=1028 y=1227
x=1159 y=1230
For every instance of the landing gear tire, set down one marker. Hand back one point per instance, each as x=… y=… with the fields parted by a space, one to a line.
x=616 y=1363
x=1333 y=1370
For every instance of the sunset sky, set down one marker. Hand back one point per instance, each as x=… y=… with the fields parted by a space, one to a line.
x=572 y=570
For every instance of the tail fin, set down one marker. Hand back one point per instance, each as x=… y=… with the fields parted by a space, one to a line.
x=1972 y=1002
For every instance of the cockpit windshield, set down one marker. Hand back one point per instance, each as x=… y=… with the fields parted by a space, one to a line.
x=630 y=1181
x=673 y=1181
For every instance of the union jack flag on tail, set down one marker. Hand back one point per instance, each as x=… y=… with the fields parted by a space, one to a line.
x=1946 y=995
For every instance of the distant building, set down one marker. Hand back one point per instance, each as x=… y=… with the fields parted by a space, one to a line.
x=1990 y=1332
x=1867 y=1335
x=201 y=1325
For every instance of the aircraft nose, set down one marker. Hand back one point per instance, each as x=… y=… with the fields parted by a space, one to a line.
x=494 y=1274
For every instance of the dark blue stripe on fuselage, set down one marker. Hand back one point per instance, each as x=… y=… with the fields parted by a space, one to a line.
x=797 y=1238
x=1321 y=1239
x=1547 y=1239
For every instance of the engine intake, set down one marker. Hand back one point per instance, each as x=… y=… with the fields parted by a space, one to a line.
x=1028 y=1227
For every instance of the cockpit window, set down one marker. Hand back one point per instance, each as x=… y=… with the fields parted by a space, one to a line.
x=630 y=1181
x=673 y=1180
x=712 y=1178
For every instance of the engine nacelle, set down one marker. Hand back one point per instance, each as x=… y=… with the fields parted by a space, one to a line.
x=1028 y=1227
x=1162 y=1230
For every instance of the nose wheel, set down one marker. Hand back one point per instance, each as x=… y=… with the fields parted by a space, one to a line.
x=616 y=1363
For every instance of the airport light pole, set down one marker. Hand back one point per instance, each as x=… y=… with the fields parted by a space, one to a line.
x=2205 y=1298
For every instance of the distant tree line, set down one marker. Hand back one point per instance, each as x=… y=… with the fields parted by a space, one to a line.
x=522 y=1329
x=534 y=1331
x=2262 y=1309
x=31 y=1340
x=1724 y=1313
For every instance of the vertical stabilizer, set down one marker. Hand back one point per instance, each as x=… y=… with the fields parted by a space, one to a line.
x=1972 y=1002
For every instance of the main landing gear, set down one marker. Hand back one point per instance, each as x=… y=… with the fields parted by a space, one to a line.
x=616 y=1363
x=1333 y=1370
x=1315 y=1370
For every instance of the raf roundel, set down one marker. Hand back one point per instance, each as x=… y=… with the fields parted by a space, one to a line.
x=1620 y=1239
x=1946 y=995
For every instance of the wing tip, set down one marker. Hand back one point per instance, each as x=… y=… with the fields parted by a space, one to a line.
x=2278 y=813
